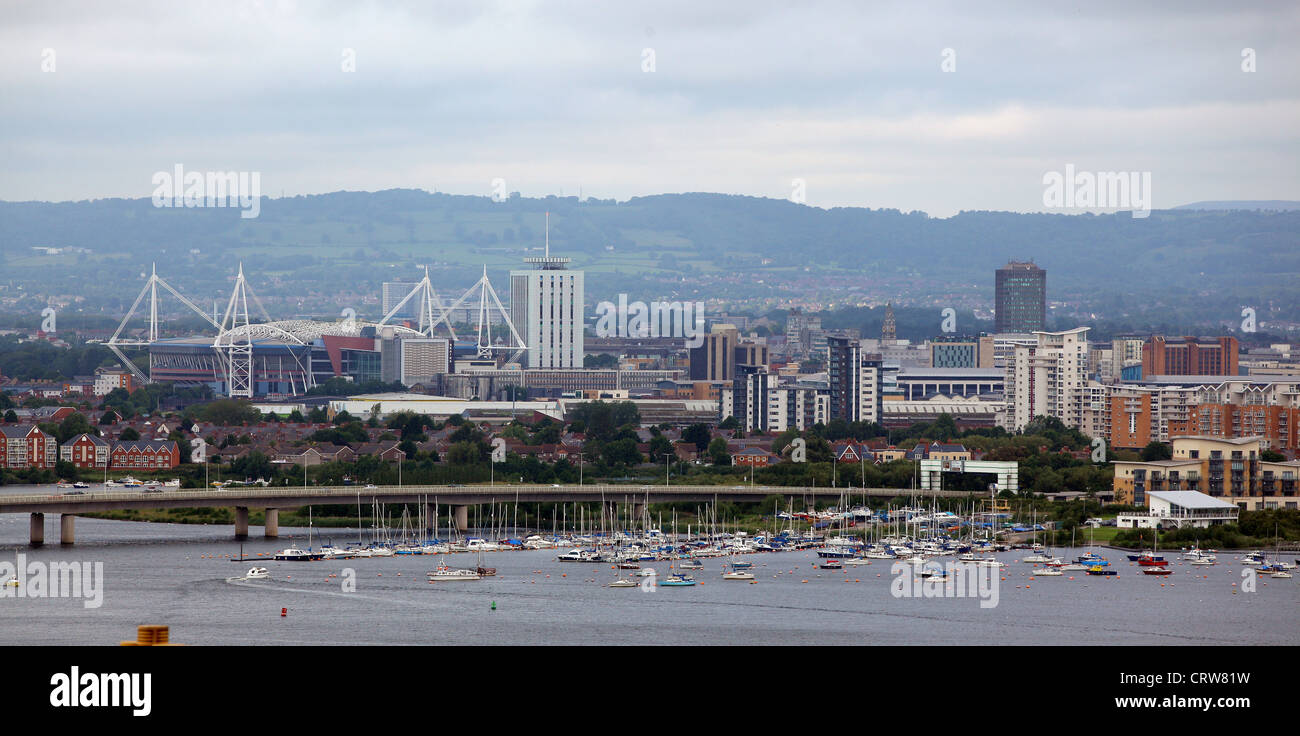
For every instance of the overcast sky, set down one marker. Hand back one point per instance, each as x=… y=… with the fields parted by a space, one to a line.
x=744 y=98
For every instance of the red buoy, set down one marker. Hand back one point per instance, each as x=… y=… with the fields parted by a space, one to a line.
x=284 y=612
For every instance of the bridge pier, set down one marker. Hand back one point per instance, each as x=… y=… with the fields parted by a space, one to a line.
x=430 y=523
x=272 y=523
x=38 y=529
x=67 y=529
x=461 y=516
x=638 y=511
x=241 y=522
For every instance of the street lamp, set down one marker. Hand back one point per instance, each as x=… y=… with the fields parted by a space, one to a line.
x=665 y=456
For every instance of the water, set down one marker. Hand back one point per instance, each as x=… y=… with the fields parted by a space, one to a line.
x=160 y=573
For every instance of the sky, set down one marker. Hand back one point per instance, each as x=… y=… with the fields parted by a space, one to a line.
x=940 y=107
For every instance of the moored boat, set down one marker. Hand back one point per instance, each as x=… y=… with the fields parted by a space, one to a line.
x=447 y=574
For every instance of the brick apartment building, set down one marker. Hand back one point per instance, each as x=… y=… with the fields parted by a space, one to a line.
x=26 y=446
x=1193 y=357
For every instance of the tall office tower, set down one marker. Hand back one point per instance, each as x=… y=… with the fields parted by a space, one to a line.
x=1021 y=298
x=394 y=292
x=749 y=352
x=715 y=358
x=855 y=381
x=1049 y=378
x=889 y=330
x=546 y=306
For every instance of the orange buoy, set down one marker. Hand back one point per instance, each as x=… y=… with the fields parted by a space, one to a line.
x=284 y=612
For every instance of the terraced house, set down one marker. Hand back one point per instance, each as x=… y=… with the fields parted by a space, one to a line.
x=145 y=454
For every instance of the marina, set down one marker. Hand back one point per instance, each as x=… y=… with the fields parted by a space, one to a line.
x=180 y=573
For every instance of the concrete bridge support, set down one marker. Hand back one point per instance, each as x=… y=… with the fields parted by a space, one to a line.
x=430 y=523
x=461 y=515
x=638 y=511
x=272 y=523
x=38 y=529
x=241 y=522
x=67 y=529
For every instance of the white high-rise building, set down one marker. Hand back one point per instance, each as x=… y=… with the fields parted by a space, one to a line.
x=546 y=306
x=1049 y=378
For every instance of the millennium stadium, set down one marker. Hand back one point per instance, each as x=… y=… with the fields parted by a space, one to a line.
x=243 y=358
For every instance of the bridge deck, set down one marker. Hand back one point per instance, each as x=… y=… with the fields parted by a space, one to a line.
x=292 y=497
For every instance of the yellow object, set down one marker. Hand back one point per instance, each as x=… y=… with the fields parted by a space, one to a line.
x=151 y=636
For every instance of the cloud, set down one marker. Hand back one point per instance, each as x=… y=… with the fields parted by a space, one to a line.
x=744 y=97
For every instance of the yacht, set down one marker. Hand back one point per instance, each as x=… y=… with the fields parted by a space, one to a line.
x=625 y=583
x=677 y=580
x=293 y=554
x=690 y=565
x=577 y=555
x=447 y=574
x=1047 y=572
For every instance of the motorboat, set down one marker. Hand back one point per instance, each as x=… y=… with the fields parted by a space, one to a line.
x=1099 y=570
x=257 y=573
x=1281 y=575
x=625 y=583
x=648 y=572
x=1151 y=560
x=293 y=554
x=1156 y=570
x=80 y=484
x=831 y=563
x=737 y=575
x=447 y=574
x=1072 y=567
x=690 y=565
x=1203 y=561
x=1047 y=572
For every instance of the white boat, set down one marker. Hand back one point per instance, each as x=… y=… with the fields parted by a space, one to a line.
x=381 y=551
x=80 y=484
x=446 y=574
x=173 y=483
x=1073 y=567
x=1047 y=573
x=1203 y=561
x=257 y=573
x=625 y=583
x=1281 y=575
x=294 y=554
